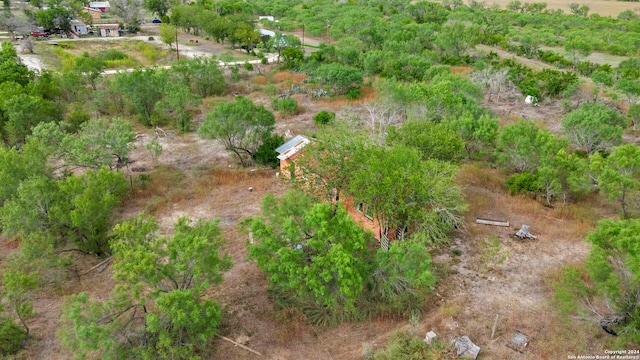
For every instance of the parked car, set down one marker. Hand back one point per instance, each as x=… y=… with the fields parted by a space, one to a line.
x=39 y=34
x=156 y=21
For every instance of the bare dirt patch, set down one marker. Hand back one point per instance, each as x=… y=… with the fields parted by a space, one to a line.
x=600 y=7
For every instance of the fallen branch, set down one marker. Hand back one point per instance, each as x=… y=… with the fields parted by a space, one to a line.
x=238 y=344
x=103 y=262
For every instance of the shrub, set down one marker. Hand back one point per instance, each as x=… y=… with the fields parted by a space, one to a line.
x=324 y=117
x=271 y=90
x=12 y=337
x=287 y=105
x=266 y=154
x=111 y=54
x=353 y=93
x=523 y=183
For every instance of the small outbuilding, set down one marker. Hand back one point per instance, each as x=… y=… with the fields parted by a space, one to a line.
x=288 y=152
x=79 y=28
x=109 y=30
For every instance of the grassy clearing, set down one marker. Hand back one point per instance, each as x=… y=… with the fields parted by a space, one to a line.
x=136 y=53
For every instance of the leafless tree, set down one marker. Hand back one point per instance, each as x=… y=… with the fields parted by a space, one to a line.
x=495 y=81
x=129 y=11
x=28 y=45
x=16 y=26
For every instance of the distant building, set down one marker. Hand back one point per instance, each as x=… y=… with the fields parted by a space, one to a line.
x=79 y=28
x=289 y=151
x=95 y=13
x=103 y=6
x=270 y=33
x=109 y=30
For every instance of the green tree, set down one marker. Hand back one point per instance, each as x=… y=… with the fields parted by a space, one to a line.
x=158 y=7
x=55 y=17
x=401 y=277
x=158 y=309
x=457 y=37
x=24 y=112
x=98 y=143
x=478 y=134
x=579 y=10
x=85 y=217
x=177 y=103
x=578 y=48
x=406 y=192
x=169 y=34
x=16 y=166
x=16 y=288
x=434 y=141
x=593 y=127
x=75 y=211
x=630 y=88
x=292 y=57
x=11 y=68
x=266 y=154
x=339 y=77
x=90 y=67
x=201 y=73
x=282 y=41
x=329 y=162
x=613 y=267
x=143 y=89
x=240 y=126
x=618 y=175
x=562 y=175
x=523 y=145
x=310 y=252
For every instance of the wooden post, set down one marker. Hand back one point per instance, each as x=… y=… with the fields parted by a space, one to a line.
x=302 y=37
x=495 y=324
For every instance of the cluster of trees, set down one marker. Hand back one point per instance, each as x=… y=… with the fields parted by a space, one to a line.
x=590 y=155
x=158 y=309
x=246 y=129
x=64 y=138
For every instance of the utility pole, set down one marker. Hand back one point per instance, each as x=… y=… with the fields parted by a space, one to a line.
x=302 y=37
x=177 y=50
x=329 y=31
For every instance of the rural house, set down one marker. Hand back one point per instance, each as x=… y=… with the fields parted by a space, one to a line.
x=359 y=212
x=102 y=6
x=95 y=13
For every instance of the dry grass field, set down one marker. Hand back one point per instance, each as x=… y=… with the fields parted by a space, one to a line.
x=600 y=7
